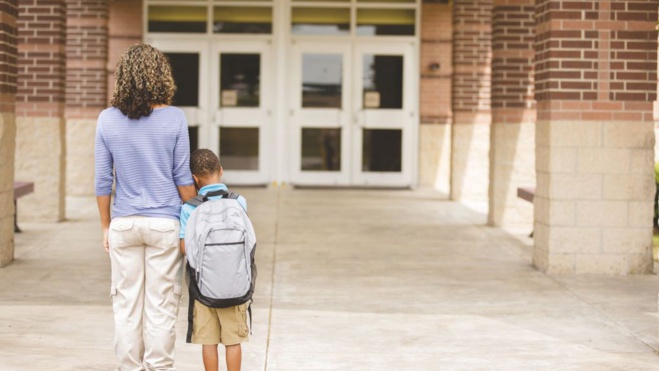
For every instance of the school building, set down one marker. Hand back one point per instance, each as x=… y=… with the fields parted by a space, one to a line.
x=473 y=98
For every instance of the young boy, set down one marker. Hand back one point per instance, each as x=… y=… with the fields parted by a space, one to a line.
x=213 y=326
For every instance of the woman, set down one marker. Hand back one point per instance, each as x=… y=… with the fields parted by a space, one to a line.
x=142 y=144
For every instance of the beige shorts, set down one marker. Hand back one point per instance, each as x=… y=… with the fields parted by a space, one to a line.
x=227 y=326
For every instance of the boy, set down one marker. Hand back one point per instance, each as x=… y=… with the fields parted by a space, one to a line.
x=213 y=326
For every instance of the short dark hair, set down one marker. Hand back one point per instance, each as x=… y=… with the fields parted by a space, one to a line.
x=203 y=162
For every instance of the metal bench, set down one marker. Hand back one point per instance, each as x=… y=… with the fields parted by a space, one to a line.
x=20 y=189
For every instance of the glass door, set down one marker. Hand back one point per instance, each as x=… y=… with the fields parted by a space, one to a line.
x=385 y=114
x=241 y=97
x=320 y=76
x=189 y=61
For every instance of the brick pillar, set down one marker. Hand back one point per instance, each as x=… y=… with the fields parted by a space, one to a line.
x=472 y=55
x=86 y=88
x=512 y=146
x=435 y=95
x=596 y=66
x=8 y=52
x=40 y=144
x=124 y=30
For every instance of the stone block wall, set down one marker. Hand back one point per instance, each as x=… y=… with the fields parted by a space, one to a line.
x=596 y=64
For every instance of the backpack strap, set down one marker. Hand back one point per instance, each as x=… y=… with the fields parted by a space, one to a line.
x=195 y=201
x=200 y=199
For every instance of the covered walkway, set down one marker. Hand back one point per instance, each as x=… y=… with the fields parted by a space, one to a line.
x=349 y=280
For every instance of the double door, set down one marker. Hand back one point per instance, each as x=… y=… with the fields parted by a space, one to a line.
x=346 y=116
x=225 y=89
x=353 y=113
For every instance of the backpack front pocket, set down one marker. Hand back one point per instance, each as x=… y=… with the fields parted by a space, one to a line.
x=224 y=272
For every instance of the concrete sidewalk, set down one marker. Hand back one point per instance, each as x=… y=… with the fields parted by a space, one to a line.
x=348 y=280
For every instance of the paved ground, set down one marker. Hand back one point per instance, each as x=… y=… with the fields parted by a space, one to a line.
x=349 y=280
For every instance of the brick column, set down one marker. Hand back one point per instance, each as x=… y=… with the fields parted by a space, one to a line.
x=512 y=146
x=124 y=30
x=8 y=52
x=40 y=144
x=596 y=66
x=435 y=95
x=86 y=88
x=472 y=55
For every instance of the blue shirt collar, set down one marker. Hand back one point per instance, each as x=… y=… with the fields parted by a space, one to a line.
x=212 y=188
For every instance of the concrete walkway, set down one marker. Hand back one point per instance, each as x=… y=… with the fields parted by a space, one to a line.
x=349 y=280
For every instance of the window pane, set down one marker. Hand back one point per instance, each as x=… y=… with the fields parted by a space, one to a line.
x=239 y=148
x=321 y=21
x=185 y=19
x=185 y=68
x=383 y=81
x=193 y=133
x=322 y=77
x=233 y=19
x=376 y=22
x=382 y=150
x=321 y=149
x=240 y=80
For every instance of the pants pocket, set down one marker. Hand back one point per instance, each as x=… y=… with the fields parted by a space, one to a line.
x=164 y=232
x=121 y=233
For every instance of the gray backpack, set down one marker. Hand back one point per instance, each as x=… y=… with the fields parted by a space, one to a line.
x=220 y=245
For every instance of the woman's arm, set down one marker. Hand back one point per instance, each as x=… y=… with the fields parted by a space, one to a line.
x=186 y=192
x=104 y=211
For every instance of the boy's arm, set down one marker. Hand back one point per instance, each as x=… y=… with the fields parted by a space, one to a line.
x=185 y=214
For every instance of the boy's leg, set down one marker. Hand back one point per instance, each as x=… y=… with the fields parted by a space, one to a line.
x=209 y=355
x=234 y=357
x=163 y=274
x=127 y=262
x=233 y=325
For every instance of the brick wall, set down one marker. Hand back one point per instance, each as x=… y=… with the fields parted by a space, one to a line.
x=513 y=32
x=472 y=55
x=436 y=48
x=41 y=58
x=596 y=60
x=125 y=29
x=8 y=56
x=86 y=57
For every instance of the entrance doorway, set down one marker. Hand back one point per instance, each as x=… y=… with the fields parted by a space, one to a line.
x=225 y=89
x=353 y=113
x=318 y=93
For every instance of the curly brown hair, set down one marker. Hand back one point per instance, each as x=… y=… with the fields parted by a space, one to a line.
x=203 y=162
x=143 y=79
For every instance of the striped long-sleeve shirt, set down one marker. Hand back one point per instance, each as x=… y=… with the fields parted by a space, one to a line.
x=150 y=157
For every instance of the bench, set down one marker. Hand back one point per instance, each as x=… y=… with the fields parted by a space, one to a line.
x=526 y=193
x=20 y=189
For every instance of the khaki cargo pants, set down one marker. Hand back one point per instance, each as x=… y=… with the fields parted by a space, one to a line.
x=147 y=269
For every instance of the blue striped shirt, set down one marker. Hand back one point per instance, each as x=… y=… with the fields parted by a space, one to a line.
x=150 y=157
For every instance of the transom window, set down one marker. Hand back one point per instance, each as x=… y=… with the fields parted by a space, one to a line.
x=209 y=17
x=307 y=17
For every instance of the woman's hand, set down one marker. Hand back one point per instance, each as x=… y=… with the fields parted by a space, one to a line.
x=106 y=244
